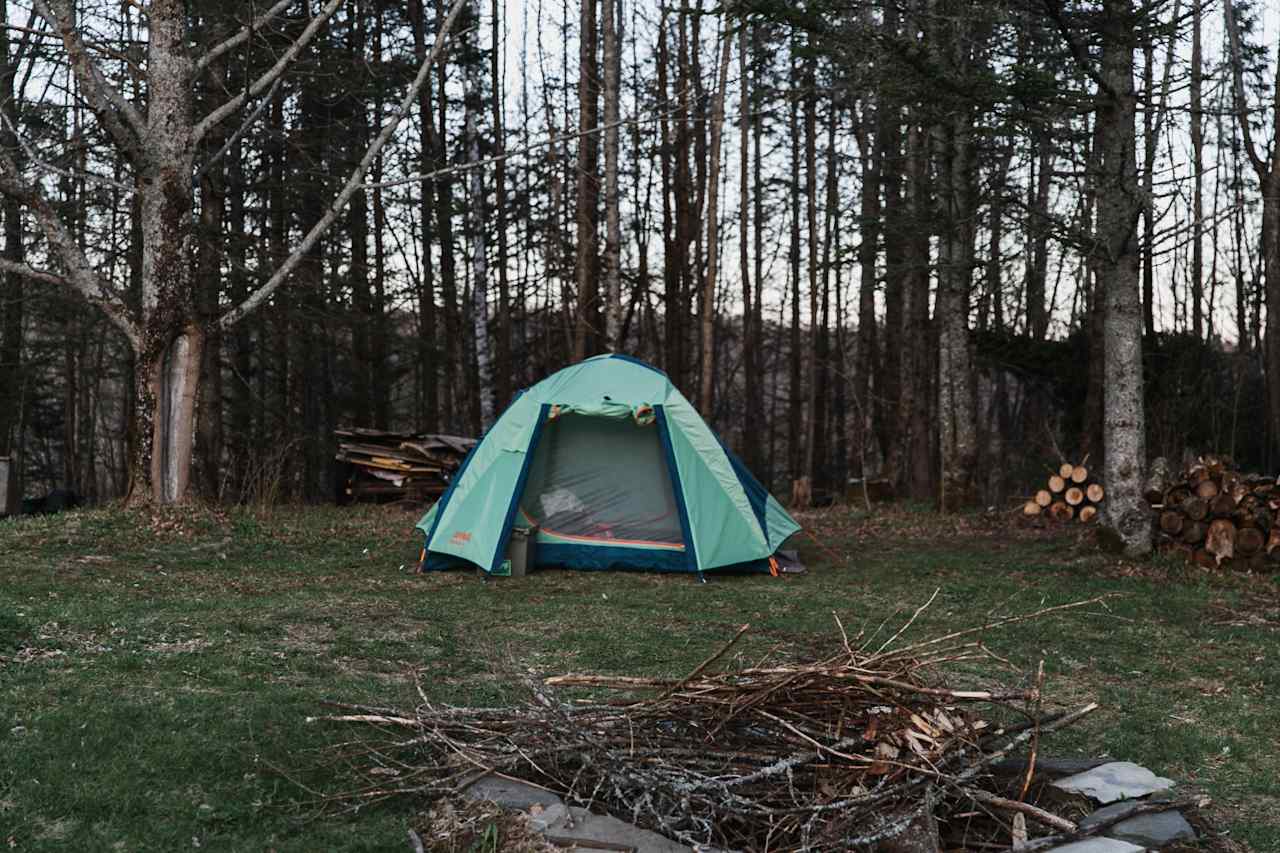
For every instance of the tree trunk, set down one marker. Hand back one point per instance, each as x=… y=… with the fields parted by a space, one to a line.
x=1268 y=171
x=504 y=373
x=587 y=328
x=613 y=220
x=165 y=412
x=794 y=388
x=1038 y=225
x=477 y=223
x=913 y=412
x=1197 y=167
x=171 y=346
x=956 y=422
x=865 y=364
x=713 y=233
x=213 y=202
x=450 y=360
x=749 y=443
x=809 y=83
x=1124 y=436
x=11 y=294
x=428 y=353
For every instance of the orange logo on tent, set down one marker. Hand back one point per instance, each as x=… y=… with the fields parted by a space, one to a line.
x=460 y=537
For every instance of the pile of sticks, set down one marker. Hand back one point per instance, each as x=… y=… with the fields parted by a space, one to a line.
x=1071 y=494
x=854 y=749
x=384 y=464
x=1218 y=517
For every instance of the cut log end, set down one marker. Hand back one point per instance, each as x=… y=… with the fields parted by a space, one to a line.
x=1057 y=484
x=1207 y=489
x=1075 y=496
x=1172 y=522
x=1064 y=471
x=1031 y=508
x=1249 y=541
x=1088 y=514
x=1043 y=498
x=1061 y=511
x=1079 y=474
x=1095 y=493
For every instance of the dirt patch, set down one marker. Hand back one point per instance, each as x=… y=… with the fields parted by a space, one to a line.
x=177 y=647
x=309 y=638
x=54 y=830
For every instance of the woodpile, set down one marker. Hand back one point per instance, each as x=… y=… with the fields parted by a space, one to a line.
x=1069 y=495
x=1218 y=517
x=393 y=465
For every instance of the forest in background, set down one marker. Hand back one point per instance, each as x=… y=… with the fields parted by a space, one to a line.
x=866 y=239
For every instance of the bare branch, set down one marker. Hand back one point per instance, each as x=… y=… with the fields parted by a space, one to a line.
x=122 y=120
x=243 y=35
x=80 y=277
x=34 y=157
x=354 y=182
x=248 y=123
x=260 y=85
x=28 y=271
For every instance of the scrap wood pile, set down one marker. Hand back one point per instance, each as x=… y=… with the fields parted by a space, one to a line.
x=1070 y=494
x=1216 y=516
x=399 y=464
x=859 y=748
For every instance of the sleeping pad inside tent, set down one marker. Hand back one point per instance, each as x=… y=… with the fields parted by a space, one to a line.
x=608 y=466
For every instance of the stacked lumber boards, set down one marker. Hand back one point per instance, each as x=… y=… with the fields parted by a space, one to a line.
x=1070 y=494
x=385 y=464
x=1218 y=517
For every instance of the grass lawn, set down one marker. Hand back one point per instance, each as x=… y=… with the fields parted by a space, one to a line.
x=155 y=670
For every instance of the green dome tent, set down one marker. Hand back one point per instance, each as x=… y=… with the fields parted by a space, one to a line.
x=614 y=468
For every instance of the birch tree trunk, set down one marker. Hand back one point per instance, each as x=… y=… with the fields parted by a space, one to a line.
x=1128 y=518
x=476 y=225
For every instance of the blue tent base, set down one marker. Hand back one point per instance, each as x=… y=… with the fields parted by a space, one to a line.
x=593 y=558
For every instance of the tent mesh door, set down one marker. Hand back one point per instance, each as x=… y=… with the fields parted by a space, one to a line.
x=601 y=481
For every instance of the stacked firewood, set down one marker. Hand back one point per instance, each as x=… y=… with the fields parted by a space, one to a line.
x=1070 y=494
x=1218 y=517
x=384 y=464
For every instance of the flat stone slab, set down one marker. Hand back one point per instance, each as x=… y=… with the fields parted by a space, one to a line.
x=509 y=793
x=1047 y=766
x=1119 y=780
x=568 y=824
x=1099 y=845
x=1154 y=829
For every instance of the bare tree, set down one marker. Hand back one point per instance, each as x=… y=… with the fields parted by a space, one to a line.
x=1267 y=168
x=166 y=332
